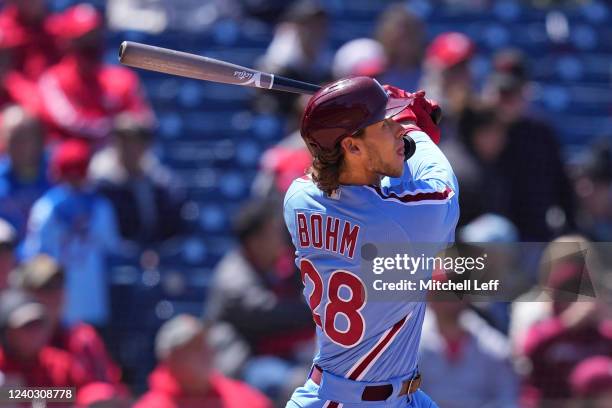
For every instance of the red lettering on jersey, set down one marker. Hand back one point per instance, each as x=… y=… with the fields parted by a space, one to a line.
x=332 y=234
x=349 y=239
x=302 y=225
x=316 y=229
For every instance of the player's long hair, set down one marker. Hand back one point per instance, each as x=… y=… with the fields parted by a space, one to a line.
x=327 y=165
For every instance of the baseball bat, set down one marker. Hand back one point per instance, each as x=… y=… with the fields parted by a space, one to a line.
x=188 y=65
x=194 y=66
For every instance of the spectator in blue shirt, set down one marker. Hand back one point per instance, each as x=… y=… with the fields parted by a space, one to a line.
x=466 y=361
x=77 y=227
x=23 y=170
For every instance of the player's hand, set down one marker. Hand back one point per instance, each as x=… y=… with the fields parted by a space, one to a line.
x=425 y=112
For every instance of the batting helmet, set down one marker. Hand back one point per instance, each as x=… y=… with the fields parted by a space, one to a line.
x=343 y=108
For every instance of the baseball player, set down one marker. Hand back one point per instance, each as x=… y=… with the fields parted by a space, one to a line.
x=377 y=176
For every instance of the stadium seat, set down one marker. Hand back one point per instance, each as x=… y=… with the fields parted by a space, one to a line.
x=507 y=10
x=267 y=127
x=584 y=37
x=212 y=218
x=247 y=153
x=170 y=125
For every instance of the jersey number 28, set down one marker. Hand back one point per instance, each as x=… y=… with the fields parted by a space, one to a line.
x=348 y=307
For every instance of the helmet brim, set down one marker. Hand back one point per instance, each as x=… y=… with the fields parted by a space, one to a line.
x=396 y=105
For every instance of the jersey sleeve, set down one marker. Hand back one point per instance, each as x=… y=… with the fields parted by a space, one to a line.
x=425 y=199
x=428 y=168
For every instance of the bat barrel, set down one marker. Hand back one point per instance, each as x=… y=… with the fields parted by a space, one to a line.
x=209 y=69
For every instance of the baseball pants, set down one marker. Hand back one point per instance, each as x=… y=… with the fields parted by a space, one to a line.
x=339 y=392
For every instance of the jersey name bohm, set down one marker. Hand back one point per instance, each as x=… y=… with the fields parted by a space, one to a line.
x=332 y=234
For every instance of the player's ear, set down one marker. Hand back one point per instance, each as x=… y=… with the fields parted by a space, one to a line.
x=350 y=145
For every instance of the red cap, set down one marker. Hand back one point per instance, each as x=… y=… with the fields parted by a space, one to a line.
x=592 y=376
x=344 y=107
x=71 y=159
x=75 y=21
x=287 y=165
x=449 y=49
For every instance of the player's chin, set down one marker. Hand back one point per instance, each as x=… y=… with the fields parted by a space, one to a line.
x=395 y=170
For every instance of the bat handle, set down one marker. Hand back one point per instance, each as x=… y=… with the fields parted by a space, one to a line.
x=436 y=115
x=291 y=85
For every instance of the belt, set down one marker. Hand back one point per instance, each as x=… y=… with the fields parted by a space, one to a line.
x=375 y=392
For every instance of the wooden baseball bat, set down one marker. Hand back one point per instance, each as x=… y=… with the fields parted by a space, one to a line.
x=188 y=65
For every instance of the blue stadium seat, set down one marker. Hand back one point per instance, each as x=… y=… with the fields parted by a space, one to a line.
x=255 y=34
x=267 y=127
x=247 y=153
x=212 y=218
x=234 y=185
x=556 y=98
x=596 y=12
x=570 y=68
x=170 y=125
x=190 y=94
x=507 y=10
x=496 y=36
x=583 y=37
x=242 y=121
x=194 y=251
x=226 y=32
x=421 y=8
x=163 y=89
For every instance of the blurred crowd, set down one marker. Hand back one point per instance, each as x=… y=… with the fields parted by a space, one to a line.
x=79 y=183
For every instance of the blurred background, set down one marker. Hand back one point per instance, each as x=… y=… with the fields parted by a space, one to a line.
x=143 y=257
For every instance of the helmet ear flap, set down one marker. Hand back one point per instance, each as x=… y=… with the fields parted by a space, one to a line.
x=409 y=147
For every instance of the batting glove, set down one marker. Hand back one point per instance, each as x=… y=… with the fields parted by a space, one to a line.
x=425 y=112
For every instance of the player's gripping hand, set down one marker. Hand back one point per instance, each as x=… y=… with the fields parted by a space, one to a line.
x=425 y=112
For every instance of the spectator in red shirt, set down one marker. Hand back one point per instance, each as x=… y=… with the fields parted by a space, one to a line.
x=592 y=383
x=184 y=377
x=26 y=358
x=35 y=48
x=43 y=278
x=81 y=95
x=15 y=87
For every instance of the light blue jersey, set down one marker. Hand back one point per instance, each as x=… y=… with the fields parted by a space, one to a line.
x=360 y=340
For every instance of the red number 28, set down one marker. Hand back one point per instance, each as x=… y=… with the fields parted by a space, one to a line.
x=350 y=308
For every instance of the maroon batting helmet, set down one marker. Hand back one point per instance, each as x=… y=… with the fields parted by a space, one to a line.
x=343 y=108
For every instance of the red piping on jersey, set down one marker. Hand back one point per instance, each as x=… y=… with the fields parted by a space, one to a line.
x=356 y=372
x=410 y=198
